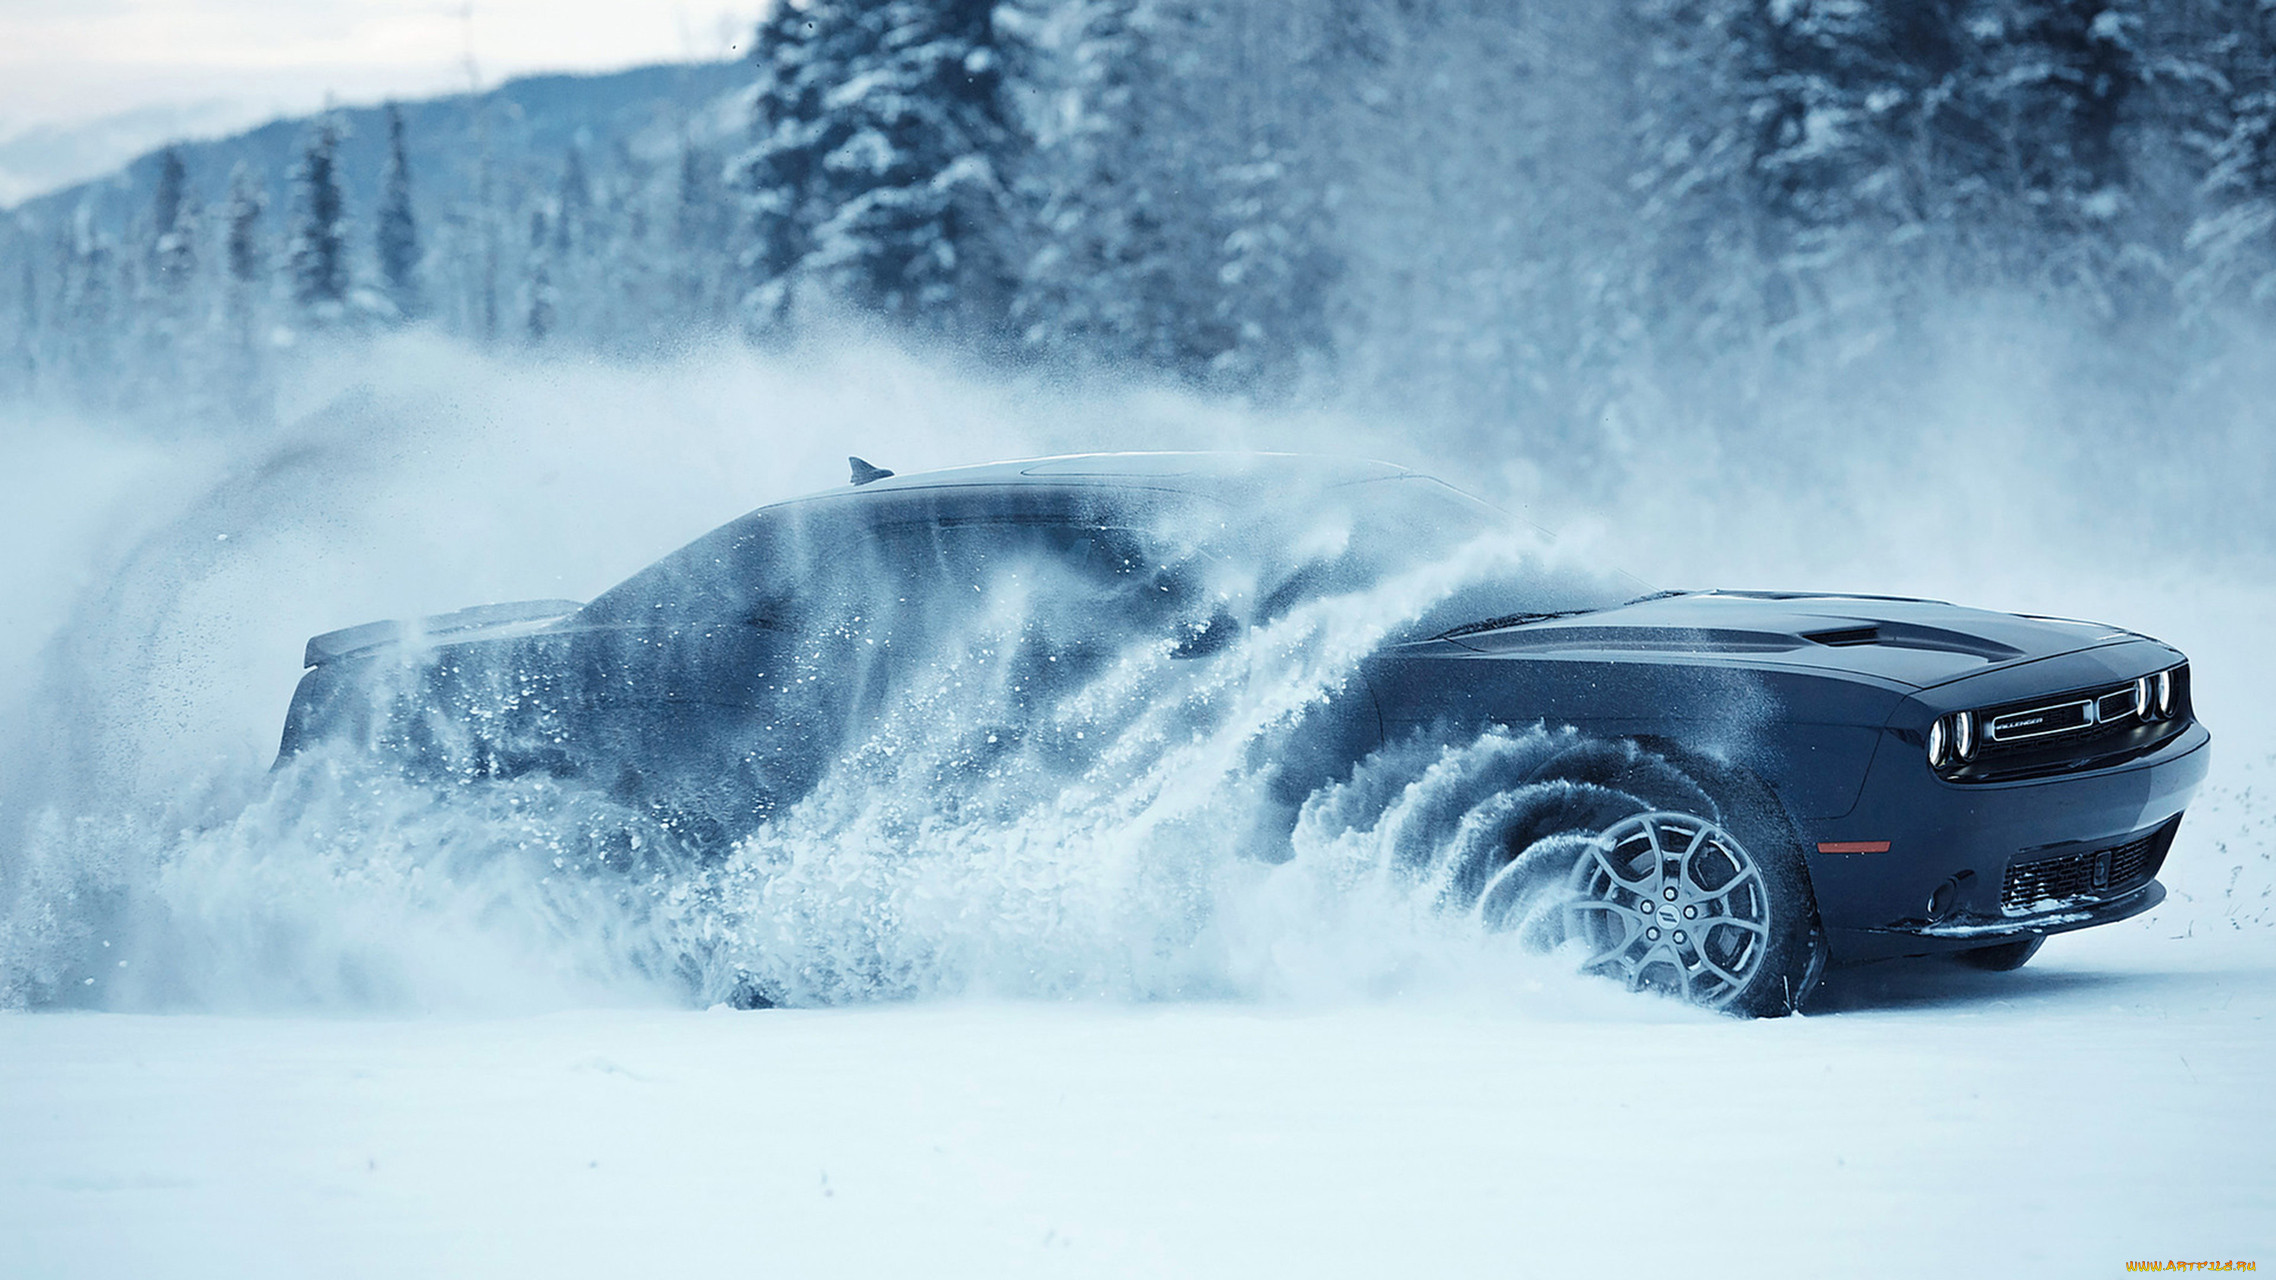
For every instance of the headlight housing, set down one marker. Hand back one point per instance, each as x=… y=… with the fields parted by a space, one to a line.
x=1952 y=740
x=2156 y=696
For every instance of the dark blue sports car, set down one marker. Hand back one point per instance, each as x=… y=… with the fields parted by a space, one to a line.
x=1726 y=789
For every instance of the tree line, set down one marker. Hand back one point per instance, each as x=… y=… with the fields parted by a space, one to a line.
x=1485 y=212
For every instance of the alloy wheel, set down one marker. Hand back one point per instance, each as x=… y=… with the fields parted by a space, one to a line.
x=1671 y=902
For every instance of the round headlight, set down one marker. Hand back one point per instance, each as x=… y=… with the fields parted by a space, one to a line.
x=2164 y=694
x=2142 y=695
x=1936 y=744
x=1964 y=735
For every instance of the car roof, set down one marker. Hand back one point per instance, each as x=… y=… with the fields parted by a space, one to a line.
x=1214 y=474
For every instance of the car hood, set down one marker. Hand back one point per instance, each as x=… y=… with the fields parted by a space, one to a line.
x=1917 y=643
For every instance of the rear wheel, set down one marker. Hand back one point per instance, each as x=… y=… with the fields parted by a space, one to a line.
x=2004 y=958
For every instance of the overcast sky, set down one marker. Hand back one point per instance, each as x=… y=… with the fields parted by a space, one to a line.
x=65 y=62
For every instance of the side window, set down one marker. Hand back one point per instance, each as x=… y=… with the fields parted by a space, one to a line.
x=1075 y=578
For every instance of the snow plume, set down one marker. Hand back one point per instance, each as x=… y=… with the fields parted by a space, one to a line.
x=1125 y=846
x=1129 y=847
x=1127 y=836
x=1132 y=841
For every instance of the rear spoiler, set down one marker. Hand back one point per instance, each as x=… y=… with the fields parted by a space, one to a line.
x=347 y=642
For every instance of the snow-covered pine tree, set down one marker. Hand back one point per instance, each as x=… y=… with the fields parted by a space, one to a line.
x=668 y=261
x=316 y=254
x=246 y=295
x=803 y=50
x=2232 y=241
x=697 y=257
x=572 y=268
x=2066 y=73
x=1124 y=266
x=1275 y=273
x=91 y=314
x=241 y=228
x=923 y=226
x=173 y=226
x=1766 y=139
x=22 y=368
x=164 y=329
x=573 y=204
x=397 y=228
x=541 y=300
x=879 y=176
x=1692 y=273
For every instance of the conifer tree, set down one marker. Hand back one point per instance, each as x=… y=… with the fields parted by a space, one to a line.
x=316 y=254
x=919 y=210
x=541 y=300
x=699 y=268
x=397 y=232
x=573 y=205
x=242 y=228
x=173 y=245
x=246 y=292
x=1275 y=276
x=90 y=314
x=2232 y=240
x=25 y=364
x=878 y=177
x=1123 y=266
x=2067 y=72
x=804 y=52
x=160 y=321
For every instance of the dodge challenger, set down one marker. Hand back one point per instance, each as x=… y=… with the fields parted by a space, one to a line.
x=1750 y=785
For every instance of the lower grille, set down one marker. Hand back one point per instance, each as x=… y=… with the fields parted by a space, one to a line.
x=2101 y=874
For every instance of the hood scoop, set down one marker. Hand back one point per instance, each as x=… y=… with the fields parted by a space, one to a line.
x=1905 y=635
x=1522 y=637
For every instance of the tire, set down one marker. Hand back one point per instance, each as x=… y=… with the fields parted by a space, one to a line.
x=1667 y=888
x=2004 y=958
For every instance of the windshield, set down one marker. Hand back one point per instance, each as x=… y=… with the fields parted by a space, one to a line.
x=1375 y=528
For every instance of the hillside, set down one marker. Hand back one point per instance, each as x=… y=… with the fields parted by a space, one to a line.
x=526 y=126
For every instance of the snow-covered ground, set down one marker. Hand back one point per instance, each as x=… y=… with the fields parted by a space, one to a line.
x=1386 y=1107
x=2108 y=1103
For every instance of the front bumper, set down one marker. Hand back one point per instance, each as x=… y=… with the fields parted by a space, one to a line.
x=1965 y=930
x=1958 y=866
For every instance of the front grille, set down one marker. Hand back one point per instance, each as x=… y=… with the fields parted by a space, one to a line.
x=2082 y=718
x=2091 y=728
x=2038 y=722
x=2103 y=873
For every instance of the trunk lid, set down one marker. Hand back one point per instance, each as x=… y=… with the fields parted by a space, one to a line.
x=483 y=622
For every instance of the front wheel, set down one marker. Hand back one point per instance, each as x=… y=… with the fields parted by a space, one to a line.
x=1674 y=902
x=1684 y=881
